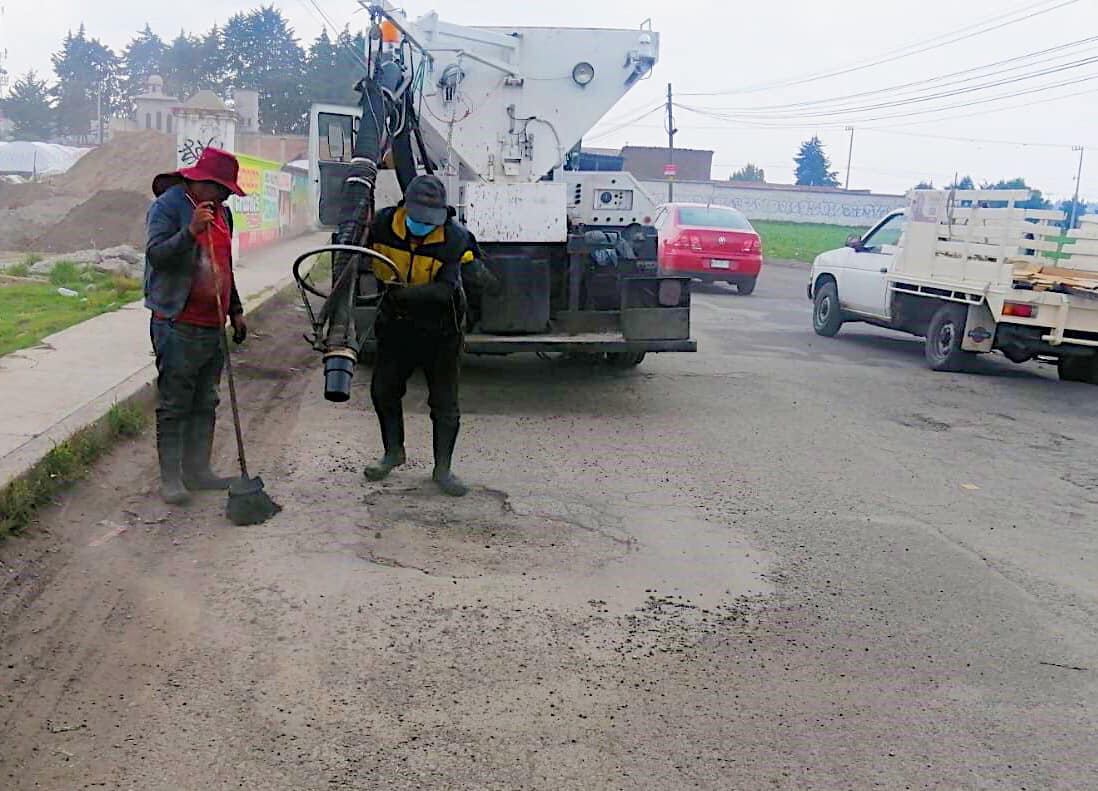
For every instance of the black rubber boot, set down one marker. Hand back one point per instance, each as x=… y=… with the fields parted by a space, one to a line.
x=198 y=435
x=445 y=436
x=169 y=447
x=392 y=437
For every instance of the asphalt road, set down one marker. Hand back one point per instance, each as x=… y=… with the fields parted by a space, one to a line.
x=784 y=562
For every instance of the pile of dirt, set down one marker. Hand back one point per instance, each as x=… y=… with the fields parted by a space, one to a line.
x=21 y=225
x=106 y=219
x=16 y=196
x=127 y=162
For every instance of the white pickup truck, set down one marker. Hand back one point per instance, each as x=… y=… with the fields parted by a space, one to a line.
x=971 y=278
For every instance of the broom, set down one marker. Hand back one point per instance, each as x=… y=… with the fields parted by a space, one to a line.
x=248 y=503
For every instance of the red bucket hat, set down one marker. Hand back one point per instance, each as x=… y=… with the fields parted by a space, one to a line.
x=214 y=165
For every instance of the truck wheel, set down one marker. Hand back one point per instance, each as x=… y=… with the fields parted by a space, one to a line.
x=943 y=339
x=745 y=287
x=1078 y=369
x=827 y=317
x=624 y=359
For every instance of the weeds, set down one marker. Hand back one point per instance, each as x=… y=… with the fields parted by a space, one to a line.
x=126 y=421
x=67 y=462
x=22 y=269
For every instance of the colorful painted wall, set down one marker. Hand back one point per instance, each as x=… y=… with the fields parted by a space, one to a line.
x=276 y=205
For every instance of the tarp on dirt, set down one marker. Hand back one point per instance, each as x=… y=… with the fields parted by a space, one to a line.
x=38 y=158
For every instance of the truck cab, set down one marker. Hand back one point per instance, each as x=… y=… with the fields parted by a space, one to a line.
x=861 y=268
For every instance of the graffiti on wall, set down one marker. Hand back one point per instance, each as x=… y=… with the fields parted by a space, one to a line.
x=191 y=148
x=831 y=208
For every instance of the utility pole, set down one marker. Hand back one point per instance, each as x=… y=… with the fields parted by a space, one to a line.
x=99 y=109
x=849 y=156
x=670 y=147
x=1078 y=178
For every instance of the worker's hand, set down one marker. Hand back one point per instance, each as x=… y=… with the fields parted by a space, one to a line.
x=203 y=216
x=240 y=328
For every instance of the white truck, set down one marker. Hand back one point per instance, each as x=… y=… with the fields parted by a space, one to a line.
x=972 y=272
x=495 y=111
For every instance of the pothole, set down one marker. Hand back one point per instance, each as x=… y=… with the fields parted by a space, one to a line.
x=667 y=563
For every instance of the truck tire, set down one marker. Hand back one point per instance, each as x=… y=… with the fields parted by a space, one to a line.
x=745 y=287
x=944 y=337
x=624 y=359
x=827 y=316
x=1078 y=369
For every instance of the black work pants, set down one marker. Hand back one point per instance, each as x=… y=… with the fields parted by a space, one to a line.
x=399 y=354
x=189 y=360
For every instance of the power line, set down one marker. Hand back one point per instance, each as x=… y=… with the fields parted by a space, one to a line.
x=930 y=80
x=917 y=99
x=961 y=34
x=624 y=124
x=763 y=122
x=326 y=21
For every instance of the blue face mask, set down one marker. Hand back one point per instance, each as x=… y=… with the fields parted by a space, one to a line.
x=418 y=228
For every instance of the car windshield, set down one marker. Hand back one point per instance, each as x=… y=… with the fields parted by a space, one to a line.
x=713 y=217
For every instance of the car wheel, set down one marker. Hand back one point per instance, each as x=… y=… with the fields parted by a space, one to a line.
x=745 y=287
x=827 y=317
x=944 y=336
x=1078 y=369
x=624 y=359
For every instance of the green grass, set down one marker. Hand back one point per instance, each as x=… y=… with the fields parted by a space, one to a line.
x=31 y=311
x=67 y=462
x=792 y=241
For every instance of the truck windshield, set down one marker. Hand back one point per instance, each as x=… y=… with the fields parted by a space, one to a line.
x=713 y=217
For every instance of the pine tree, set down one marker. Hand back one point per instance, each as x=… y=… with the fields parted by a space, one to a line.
x=262 y=54
x=84 y=68
x=28 y=107
x=749 y=172
x=179 y=65
x=143 y=57
x=813 y=166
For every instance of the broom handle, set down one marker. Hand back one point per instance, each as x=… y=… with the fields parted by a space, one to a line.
x=228 y=358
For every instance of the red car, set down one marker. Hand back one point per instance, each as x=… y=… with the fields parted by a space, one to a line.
x=710 y=243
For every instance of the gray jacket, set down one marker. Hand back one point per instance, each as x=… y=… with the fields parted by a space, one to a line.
x=171 y=254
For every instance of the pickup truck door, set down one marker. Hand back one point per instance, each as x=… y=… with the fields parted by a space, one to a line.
x=864 y=287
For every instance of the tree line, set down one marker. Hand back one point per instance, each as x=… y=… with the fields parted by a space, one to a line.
x=255 y=49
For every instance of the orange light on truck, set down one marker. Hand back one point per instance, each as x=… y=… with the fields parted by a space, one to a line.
x=1022 y=310
x=390 y=33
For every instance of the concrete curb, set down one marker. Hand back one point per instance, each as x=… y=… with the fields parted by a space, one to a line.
x=786 y=263
x=136 y=389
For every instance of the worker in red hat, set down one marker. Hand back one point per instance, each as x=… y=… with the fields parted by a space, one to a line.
x=188 y=259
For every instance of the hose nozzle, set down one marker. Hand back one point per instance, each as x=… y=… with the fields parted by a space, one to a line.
x=339 y=369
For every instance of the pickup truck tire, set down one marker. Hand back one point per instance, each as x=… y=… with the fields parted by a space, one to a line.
x=827 y=316
x=1078 y=369
x=624 y=359
x=944 y=336
x=746 y=286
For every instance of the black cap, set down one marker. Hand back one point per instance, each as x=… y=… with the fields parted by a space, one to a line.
x=425 y=200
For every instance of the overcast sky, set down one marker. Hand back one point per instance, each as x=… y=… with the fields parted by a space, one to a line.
x=733 y=47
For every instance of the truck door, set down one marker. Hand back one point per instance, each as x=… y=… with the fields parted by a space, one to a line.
x=865 y=284
x=332 y=130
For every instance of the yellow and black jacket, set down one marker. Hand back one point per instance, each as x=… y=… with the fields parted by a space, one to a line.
x=436 y=259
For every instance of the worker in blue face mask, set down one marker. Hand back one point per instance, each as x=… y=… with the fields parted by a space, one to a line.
x=421 y=324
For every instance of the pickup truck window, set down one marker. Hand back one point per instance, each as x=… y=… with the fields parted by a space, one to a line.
x=887 y=234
